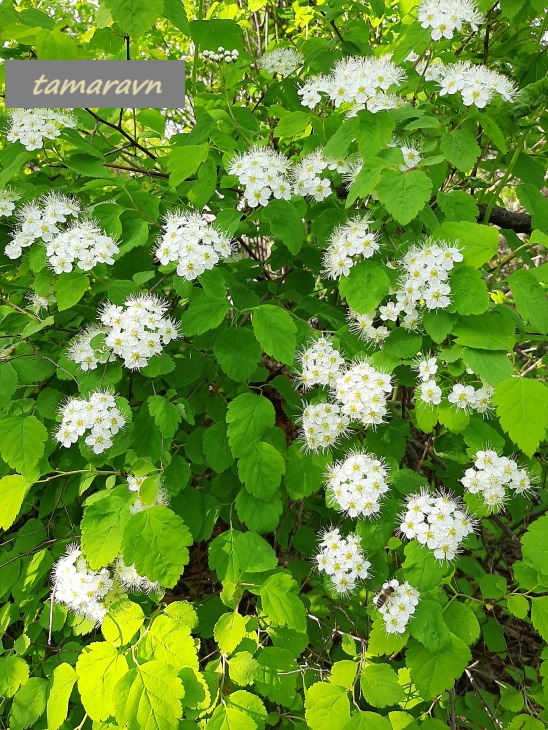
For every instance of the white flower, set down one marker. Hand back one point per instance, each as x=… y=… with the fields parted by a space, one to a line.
x=82 y=353
x=32 y=126
x=396 y=603
x=283 y=61
x=348 y=244
x=342 y=559
x=493 y=476
x=462 y=396
x=430 y=392
x=477 y=84
x=319 y=363
x=356 y=484
x=362 y=392
x=97 y=414
x=323 y=424
x=263 y=172
x=8 y=198
x=427 y=367
x=445 y=17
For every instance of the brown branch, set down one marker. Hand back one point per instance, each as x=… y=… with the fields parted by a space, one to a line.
x=518 y=222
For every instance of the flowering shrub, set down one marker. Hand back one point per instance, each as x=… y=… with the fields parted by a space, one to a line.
x=272 y=395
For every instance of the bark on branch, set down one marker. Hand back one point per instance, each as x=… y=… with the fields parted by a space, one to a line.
x=518 y=222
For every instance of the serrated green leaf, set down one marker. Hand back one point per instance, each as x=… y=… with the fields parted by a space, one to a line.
x=365 y=287
x=469 y=293
x=14 y=672
x=327 y=707
x=99 y=667
x=122 y=622
x=281 y=602
x=229 y=631
x=249 y=416
x=238 y=353
x=380 y=685
x=404 y=194
x=149 y=697
x=460 y=148
x=435 y=672
x=275 y=331
x=13 y=490
x=261 y=469
x=133 y=16
x=64 y=678
x=166 y=415
x=169 y=640
x=522 y=408
x=22 y=442
x=102 y=528
x=69 y=289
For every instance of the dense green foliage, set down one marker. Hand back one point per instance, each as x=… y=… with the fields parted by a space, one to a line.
x=239 y=630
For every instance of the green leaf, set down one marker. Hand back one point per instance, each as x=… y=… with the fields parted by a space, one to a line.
x=169 y=640
x=29 y=704
x=428 y=626
x=404 y=194
x=275 y=330
x=380 y=685
x=259 y=515
x=244 y=669
x=338 y=143
x=522 y=408
x=286 y=224
x=365 y=287
x=99 y=667
x=518 y=606
x=530 y=299
x=166 y=415
x=493 y=330
x=249 y=416
x=461 y=621
x=238 y=353
x=8 y=381
x=233 y=553
x=304 y=472
x=204 y=313
x=22 y=442
x=292 y=124
x=458 y=206
x=327 y=707
x=64 y=678
x=13 y=490
x=122 y=622
x=102 y=528
x=469 y=293
x=435 y=672
x=535 y=545
x=492 y=586
x=281 y=602
x=421 y=568
x=54 y=44
x=373 y=131
x=229 y=631
x=174 y=11
x=261 y=469
x=184 y=161
x=134 y=16
x=539 y=615
x=212 y=33
x=492 y=367
x=14 y=672
x=478 y=243
x=156 y=541
x=370 y=721
x=217 y=448
x=149 y=697
x=230 y=718
x=460 y=148
x=69 y=289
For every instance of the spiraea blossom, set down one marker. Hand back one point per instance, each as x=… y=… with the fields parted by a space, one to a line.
x=356 y=484
x=309 y=175
x=496 y=478
x=81 y=589
x=32 y=126
x=134 y=484
x=281 y=61
x=40 y=221
x=411 y=151
x=264 y=173
x=445 y=17
x=222 y=54
x=83 y=353
x=323 y=424
x=319 y=364
x=362 y=326
x=361 y=82
x=98 y=415
x=130 y=580
x=348 y=244
x=466 y=398
x=342 y=559
x=138 y=329
x=84 y=245
x=38 y=303
x=362 y=391
x=396 y=603
x=193 y=241
x=437 y=520
x=476 y=83
x=428 y=390
x=8 y=198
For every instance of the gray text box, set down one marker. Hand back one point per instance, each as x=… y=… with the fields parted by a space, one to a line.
x=95 y=84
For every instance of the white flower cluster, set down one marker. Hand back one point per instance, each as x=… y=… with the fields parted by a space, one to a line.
x=349 y=241
x=97 y=414
x=32 y=126
x=37 y=303
x=139 y=329
x=281 y=61
x=424 y=281
x=477 y=84
x=360 y=81
x=429 y=390
x=83 y=354
x=466 y=397
x=193 y=241
x=130 y=580
x=438 y=521
x=307 y=176
x=411 y=151
x=362 y=326
x=222 y=54
x=319 y=363
x=491 y=477
x=89 y=593
x=39 y=221
x=83 y=244
x=362 y=391
x=355 y=486
x=447 y=16
x=396 y=602
x=8 y=198
x=323 y=424
x=77 y=586
x=342 y=559
x=134 y=484
x=264 y=173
